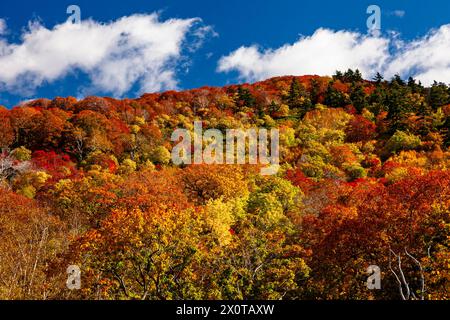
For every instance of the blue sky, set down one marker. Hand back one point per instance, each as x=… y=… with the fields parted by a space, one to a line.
x=257 y=28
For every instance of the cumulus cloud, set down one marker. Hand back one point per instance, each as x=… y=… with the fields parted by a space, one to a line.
x=326 y=51
x=138 y=50
x=426 y=59
x=322 y=53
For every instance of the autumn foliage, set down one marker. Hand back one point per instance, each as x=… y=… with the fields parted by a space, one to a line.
x=364 y=180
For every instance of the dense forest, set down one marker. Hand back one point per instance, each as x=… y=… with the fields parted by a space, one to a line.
x=364 y=180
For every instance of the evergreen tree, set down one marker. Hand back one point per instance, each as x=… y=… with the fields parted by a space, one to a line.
x=414 y=86
x=412 y=83
x=315 y=91
x=439 y=95
x=358 y=97
x=273 y=108
x=378 y=78
x=377 y=100
x=298 y=98
x=294 y=93
x=397 y=79
x=334 y=97
x=338 y=75
x=357 y=76
x=245 y=97
x=352 y=76
x=398 y=104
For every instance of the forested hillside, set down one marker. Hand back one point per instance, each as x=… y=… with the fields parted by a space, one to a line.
x=364 y=180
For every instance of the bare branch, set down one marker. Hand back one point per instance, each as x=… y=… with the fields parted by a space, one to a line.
x=408 y=291
x=395 y=274
x=422 y=277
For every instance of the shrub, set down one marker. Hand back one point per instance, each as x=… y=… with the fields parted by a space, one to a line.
x=402 y=141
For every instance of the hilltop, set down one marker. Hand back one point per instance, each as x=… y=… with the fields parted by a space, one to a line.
x=363 y=180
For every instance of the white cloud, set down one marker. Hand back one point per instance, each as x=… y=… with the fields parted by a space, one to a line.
x=326 y=51
x=322 y=53
x=426 y=59
x=398 y=13
x=135 y=50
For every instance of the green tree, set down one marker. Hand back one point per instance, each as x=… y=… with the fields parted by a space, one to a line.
x=398 y=103
x=438 y=95
x=335 y=98
x=298 y=97
x=358 y=97
x=314 y=91
x=245 y=97
x=352 y=76
x=378 y=78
